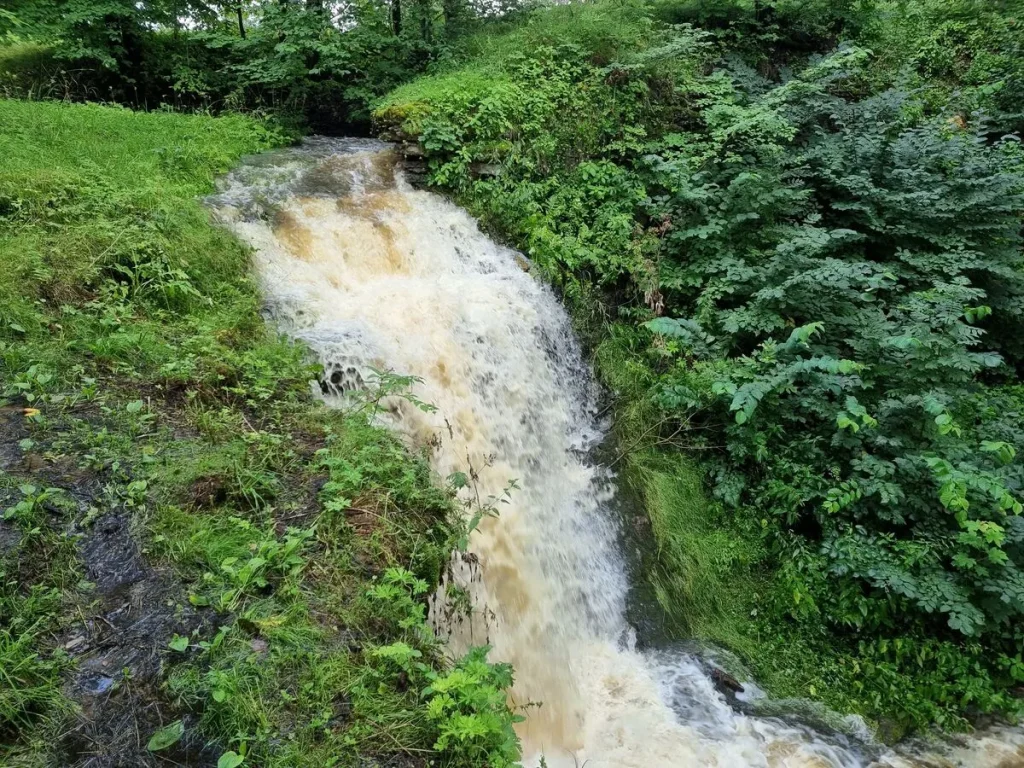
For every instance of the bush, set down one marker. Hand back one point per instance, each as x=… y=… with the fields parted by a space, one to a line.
x=840 y=288
x=965 y=54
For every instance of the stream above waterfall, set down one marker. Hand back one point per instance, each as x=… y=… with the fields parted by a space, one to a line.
x=372 y=274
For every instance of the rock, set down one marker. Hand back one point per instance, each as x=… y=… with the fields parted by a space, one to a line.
x=74 y=644
x=725 y=682
x=485 y=169
x=413 y=151
x=33 y=462
x=416 y=172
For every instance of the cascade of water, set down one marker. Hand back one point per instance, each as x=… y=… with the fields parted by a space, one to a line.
x=372 y=274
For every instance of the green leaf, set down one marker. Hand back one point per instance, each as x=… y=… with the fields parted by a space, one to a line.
x=178 y=643
x=843 y=421
x=974 y=314
x=804 y=333
x=230 y=760
x=166 y=736
x=1003 y=450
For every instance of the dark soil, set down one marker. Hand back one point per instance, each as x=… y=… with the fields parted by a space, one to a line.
x=120 y=648
x=116 y=631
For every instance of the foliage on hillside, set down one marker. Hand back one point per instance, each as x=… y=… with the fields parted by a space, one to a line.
x=803 y=265
x=198 y=561
x=317 y=62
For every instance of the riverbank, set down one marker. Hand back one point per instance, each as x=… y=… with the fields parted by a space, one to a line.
x=679 y=193
x=200 y=561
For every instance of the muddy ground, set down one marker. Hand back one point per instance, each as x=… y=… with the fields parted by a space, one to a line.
x=115 y=627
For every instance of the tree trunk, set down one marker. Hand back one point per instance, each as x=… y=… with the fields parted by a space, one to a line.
x=396 y=17
x=451 y=16
x=241 y=24
x=426 y=25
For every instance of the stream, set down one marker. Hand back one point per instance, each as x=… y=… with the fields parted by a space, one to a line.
x=371 y=273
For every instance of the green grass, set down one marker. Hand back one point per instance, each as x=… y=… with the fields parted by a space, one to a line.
x=703 y=568
x=481 y=64
x=139 y=383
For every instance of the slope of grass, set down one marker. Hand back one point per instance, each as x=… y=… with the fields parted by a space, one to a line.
x=483 y=64
x=196 y=557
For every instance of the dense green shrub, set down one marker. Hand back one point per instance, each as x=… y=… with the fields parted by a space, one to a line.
x=965 y=54
x=840 y=288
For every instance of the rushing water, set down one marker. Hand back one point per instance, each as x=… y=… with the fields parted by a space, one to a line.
x=372 y=274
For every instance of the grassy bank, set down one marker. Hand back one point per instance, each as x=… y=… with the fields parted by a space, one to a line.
x=199 y=563
x=685 y=172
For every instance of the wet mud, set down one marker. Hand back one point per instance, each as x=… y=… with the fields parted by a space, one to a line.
x=114 y=627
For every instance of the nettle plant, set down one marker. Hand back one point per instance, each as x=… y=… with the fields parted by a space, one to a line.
x=847 y=298
x=466 y=704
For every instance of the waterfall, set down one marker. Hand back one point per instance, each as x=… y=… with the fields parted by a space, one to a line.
x=374 y=275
